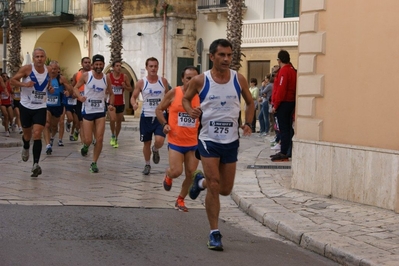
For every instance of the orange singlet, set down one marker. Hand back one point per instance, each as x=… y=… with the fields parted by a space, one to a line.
x=78 y=75
x=184 y=129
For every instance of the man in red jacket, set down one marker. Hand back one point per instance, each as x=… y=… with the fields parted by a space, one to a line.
x=283 y=100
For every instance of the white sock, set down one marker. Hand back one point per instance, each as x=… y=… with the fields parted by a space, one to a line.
x=200 y=183
x=154 y=149
x=214 y=230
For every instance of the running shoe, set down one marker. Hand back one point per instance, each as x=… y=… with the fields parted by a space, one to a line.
x=147 y=169
x=7 y=133
x=112 y=142
x=94 y=142
x=84 y=150
x=60 y=143
x=279 y=157
x=71 y=138
x=194 y=189
x=116 y=145
x=36 y=170
x=25 y=154
x=49 y=150
x=167 y=183
x=75 y=135
x=215 y=241
x=67 y=127
x=155 y=156
x=51 y=142
x=180 y=206
x=93 y=168
x=20 y=131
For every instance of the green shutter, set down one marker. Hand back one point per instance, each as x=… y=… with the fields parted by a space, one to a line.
x=61 y=6
x=291 y=8
x=182 y=62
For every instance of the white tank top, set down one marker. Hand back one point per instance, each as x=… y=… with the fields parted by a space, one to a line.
x=94 y=92
x=152 y=95
x=220 y=105
x=35 y=97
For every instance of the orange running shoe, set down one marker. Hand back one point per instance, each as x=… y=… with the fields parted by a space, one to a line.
x=179 y=205
x=167 y=183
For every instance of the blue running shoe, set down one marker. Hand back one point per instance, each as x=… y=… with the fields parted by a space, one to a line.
x=195 y=190
x=215 y=241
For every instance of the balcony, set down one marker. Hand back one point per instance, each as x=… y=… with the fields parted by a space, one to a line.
x=268 y=33
x=50 y=12
x=211 y=4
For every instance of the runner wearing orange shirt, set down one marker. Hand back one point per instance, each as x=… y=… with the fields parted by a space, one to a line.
x=182 y=133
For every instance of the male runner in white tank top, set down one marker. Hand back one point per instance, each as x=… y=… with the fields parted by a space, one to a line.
x=33 y=108
x=220 y=90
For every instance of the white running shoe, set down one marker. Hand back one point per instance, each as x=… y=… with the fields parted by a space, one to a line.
x=276 y=147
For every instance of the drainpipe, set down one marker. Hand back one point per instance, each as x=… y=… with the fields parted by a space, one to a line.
x=164 y=7
x=90 y=18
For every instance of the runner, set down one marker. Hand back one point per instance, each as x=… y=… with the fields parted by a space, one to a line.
x=182 y=133
x=120 y=83
x=219 y=90
x=6 y=104
x=96 y=84
x=34 y=87
x=153 y=89
x=55 y=107
x=86 y=67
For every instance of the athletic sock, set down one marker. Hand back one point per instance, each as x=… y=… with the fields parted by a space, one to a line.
x=201 y=183
x=26 y=143
x=214 y=230
x=37 y=149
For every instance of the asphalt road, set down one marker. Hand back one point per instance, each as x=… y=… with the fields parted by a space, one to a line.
x=46 y=235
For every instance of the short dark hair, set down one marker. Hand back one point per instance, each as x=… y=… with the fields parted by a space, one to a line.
x=222 y=42
x=116 y=61
x=284 y=56
x=84 y=58
x=254 y=80
x=150 y=59
x=189 y=67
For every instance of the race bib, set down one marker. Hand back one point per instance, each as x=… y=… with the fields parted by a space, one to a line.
x=220 y=130
x=72 y=101
x=153 y=103
x=52 y=99
x=17 y=95
x=4 y=96
x=117 y=90
x=39 y=97
x=184 y=120
x=96 y=105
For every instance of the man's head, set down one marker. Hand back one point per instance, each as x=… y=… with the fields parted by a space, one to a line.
x=54 y=68
x=86 y=63
x=283 y=57
x=4 y=76
x=188 y=73
x=39 y=56
x=151 y=65
x=117 y=66
x=220 y=53
x=254 y=81
x=98 y=63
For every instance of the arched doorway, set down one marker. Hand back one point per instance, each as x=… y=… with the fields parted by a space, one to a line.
x=61 y=45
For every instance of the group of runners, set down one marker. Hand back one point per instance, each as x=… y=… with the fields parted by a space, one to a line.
x=200 y=118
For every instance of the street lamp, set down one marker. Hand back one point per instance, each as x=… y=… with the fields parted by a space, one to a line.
x=4 y=9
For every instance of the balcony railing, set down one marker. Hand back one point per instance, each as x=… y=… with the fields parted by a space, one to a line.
x=206 y=4
x=54 y=7
x=265 y=33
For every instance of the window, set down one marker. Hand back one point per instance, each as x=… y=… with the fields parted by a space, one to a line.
x=291 y=8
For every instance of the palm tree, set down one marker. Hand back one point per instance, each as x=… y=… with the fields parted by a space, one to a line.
x=14 y=50
x=234 y=30
x=116 y=33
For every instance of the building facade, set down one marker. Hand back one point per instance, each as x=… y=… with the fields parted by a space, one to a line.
x=345 y=144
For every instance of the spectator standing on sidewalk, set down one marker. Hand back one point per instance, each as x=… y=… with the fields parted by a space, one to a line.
x=219 y=91
x=96 y=85
x=153 y=88
x=119 y=82
x=34 y=87
x=265 y=93
x=182 y=131
x=6 y=104
x=283 y=98
x=255 y=96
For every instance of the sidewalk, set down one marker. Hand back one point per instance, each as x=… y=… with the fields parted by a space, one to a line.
x=346 y=232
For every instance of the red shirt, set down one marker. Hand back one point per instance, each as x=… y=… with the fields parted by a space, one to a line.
x=118 y=88
x=4 y=99
x=284 y=88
